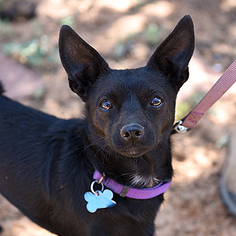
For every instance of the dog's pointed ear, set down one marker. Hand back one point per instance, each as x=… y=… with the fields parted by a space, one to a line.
x=174 y=53
x=82 y=63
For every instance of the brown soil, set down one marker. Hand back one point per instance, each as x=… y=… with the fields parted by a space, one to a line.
x=193 y=203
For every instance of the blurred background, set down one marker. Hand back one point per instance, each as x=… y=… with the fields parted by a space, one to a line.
x=126 y=33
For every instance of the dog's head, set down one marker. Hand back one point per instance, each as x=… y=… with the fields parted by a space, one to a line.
x=130 y=111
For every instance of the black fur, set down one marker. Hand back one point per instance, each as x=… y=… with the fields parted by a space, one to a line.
x=1 y=89
x=47 y=164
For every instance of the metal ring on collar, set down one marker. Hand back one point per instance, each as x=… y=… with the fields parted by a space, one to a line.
x=92 y=185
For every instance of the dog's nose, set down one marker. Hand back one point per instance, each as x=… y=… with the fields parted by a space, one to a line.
x=132 y=132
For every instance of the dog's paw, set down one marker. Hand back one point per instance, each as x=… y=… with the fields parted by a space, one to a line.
x=99 y=200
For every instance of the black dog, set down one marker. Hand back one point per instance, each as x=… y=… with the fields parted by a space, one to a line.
x=47 y=164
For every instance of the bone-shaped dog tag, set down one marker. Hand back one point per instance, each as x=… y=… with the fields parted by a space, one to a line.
x=99 y=200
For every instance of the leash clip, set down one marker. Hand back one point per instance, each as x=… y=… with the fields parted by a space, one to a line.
x=180 y=128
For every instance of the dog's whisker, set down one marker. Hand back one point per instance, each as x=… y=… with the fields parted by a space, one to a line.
x=94 y=143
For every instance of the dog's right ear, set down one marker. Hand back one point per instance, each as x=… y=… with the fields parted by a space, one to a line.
x=82 y=63
x=174 y=53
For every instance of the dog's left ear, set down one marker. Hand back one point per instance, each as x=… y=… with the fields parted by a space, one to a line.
x=174 y=53
x=82 y=63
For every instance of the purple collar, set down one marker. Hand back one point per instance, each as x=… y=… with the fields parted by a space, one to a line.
x=125 y=191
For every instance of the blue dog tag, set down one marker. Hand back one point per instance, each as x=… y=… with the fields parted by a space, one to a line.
x=99 y=200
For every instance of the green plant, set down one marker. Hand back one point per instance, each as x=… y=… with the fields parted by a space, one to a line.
x=68 y=20
x=5 y=30
x=153 y=34
x=35 y=53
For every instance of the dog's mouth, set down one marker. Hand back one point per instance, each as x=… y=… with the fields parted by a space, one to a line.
x=133 y=152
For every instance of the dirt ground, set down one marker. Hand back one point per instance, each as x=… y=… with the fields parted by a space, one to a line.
x=125 y=32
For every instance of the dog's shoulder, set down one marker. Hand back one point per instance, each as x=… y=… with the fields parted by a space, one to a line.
x=68 y=126
x=68 y=132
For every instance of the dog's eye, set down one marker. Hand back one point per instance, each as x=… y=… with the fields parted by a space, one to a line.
x=106 y=105
x=156 y=102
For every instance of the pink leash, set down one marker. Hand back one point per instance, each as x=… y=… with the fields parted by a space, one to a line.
x=215 y=93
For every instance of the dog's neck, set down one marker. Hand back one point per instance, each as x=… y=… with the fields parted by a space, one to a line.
x=138 y=172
